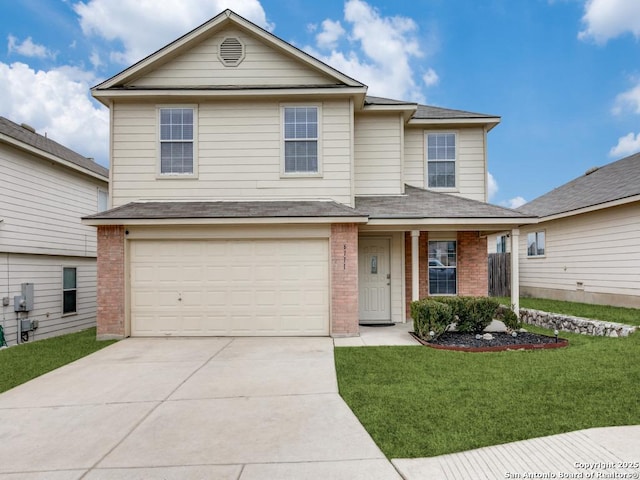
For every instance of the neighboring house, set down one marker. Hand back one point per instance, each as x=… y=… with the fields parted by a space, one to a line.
x=258 y=191
x=45 y=188
x=586 y=247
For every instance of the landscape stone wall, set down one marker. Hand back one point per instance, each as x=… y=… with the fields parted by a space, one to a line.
x=566 y=323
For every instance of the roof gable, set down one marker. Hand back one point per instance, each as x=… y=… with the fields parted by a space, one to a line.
x=25 y=139
x=202 y=45
x=613 y=182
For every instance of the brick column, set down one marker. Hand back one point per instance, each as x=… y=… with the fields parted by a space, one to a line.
x=473 y=276
x=111 y=284
x=344 y=280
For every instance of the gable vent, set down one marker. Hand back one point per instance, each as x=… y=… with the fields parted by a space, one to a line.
x=231 y=52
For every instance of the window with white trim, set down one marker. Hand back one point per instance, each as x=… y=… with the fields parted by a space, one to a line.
x=301 y=136
x=535 y=244
x=69 y=290
x=441 y=160
x=177 y=141
x=443 y=269
x=103 y=200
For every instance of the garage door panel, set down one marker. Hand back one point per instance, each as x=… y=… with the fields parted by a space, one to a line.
x=230 y=287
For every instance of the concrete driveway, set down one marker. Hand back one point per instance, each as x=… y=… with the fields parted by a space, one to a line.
x=212 y=408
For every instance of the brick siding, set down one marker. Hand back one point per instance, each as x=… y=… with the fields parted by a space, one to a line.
x=111 y=284
x=344 y=280
x=473 y=276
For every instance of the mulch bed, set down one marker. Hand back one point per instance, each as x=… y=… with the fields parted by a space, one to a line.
x=467 y=342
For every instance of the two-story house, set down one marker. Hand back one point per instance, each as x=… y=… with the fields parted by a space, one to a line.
x=258 y=191
x=47 y=256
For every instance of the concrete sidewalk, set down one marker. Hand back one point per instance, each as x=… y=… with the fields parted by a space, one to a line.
x=212 y=408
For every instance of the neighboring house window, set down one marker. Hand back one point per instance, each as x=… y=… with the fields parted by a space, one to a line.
x=441 y=160
x=301 y=135
x=69 y=290
x=535 y=244
x=442 y=267
x=103 y=200
x=176 y=141
x=501 y=244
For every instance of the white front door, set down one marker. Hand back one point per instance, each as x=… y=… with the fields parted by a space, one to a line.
x=374 y=278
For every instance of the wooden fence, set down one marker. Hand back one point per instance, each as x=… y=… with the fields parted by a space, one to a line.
x=500 y=274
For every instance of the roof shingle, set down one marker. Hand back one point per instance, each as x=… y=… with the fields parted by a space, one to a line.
x=418 y=203
x=615 y=181
x=21 y=134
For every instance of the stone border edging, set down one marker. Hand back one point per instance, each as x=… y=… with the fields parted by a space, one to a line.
x=568 y=323
x=562 y=342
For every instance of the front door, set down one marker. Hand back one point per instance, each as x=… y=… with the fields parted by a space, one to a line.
x=374 y=278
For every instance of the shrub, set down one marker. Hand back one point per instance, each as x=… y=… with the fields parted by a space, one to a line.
x=472 y=314
x=508 y=317
x=430 y=316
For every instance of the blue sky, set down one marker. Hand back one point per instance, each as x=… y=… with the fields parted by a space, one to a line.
x=564 y=75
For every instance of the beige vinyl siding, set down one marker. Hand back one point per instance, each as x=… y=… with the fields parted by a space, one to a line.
x=45 y=272
x=42 y=204
x=239 y=155
x=378 y=163
x=599 y=249
x=470 y=165
x=262 y=65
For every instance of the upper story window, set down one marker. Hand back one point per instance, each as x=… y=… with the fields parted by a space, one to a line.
x=441 y=160
x=301 y=138
x=535 y=244
x=103 y=200
x=177 y=141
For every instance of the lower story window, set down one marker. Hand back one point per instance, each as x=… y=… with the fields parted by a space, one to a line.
x=535 y=244
x=443 y=272
x=69 y=290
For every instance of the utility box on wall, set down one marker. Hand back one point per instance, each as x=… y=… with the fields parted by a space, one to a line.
x=24 y=302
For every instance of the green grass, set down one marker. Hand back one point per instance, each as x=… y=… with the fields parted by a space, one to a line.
x=21 y=363
x=607 y=313
x=422 y=402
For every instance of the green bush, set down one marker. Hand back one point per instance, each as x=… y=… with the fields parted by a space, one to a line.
x=471 y=314
x=430 y=316
x=508 y=317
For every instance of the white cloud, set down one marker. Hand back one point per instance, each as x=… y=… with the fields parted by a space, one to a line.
x=607 y=19
x=379 y=53
x=627 y=145
x=28 y=49
x=430 y=78
x=514 y=202
x=56 y=102
x=144 y=26
x=629 y=100
x=492 y=185
x=330 y=34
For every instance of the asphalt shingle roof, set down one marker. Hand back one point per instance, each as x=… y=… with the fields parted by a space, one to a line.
x=427 y=112
x=615 y=181
x=417 y=203
x=17 y=132
x=250 y=209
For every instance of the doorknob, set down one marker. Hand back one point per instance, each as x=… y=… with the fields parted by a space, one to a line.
x=388 y=276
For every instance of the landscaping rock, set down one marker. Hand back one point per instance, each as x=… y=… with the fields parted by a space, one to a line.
x=567 y=323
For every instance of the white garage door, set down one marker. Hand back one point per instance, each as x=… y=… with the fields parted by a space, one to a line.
x=229 y=287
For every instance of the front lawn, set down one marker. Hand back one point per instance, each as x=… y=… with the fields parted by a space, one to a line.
x=21 y=363
x=421 y=402
x=607 y=313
